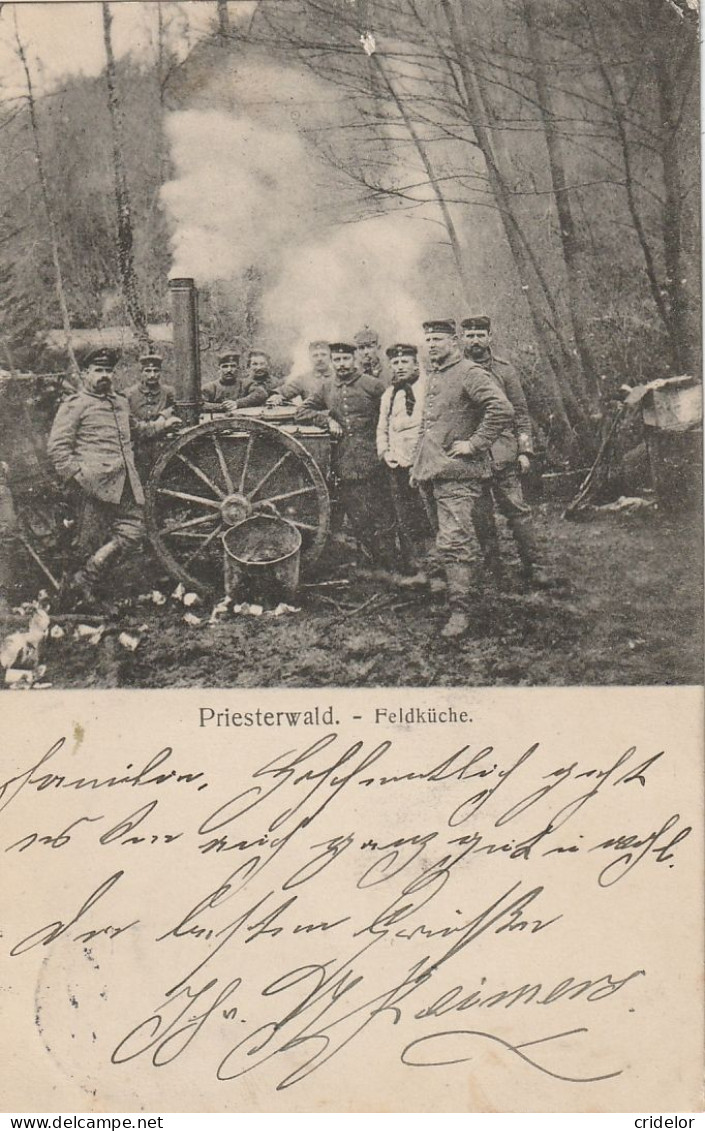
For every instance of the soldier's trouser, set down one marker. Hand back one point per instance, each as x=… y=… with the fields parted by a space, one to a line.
x=366 y=503
x=505 y=489
x=122 y=522
x=412 y=524
x=456 y=542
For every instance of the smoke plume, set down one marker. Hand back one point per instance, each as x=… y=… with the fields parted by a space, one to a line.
x=250 y=191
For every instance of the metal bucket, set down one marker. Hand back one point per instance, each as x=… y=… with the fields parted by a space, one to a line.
x=265 y=552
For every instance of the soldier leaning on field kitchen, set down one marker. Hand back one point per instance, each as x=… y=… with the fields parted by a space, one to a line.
x=149 y=398
x=348 y=405
x=233 y=389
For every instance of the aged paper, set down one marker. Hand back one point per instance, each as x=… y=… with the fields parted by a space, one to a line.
x=400 y=900
x=204 y=913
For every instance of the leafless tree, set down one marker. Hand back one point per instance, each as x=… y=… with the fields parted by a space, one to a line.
x=125 y=241
x=46 y=200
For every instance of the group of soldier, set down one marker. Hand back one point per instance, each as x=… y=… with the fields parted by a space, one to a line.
x=421 y=458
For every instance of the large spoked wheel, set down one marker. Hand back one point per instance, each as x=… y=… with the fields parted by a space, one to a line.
x=218 y=473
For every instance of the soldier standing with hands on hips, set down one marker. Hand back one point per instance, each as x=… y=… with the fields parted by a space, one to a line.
x=464 y=413
x=511 y=458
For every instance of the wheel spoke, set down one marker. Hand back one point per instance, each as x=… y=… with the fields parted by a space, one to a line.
x=301 y=525
x=289 y=495
x=201 y=548
x=186 y=534
x=189 y=498
x=248 y=451
x=201 y=475
x=191 y=522
x=269 y=474
x=223 y=465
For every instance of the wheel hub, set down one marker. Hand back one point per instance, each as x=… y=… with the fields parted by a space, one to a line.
x=235 y=508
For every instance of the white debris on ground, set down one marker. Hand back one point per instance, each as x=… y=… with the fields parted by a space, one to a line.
x=22 y=679
x=191 y=599
x=220 y=610
x=192 y=619
x=627 y=503
x=247 y=610
x=128 y=641
x=155 y=597
x=179 y=593
x=22 y=648
x=88 y=632
x=20 y=651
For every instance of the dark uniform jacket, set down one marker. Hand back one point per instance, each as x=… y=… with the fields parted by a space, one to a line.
x=518 y=440
x=246 y=391
x=90 y=441
x=463 y=402
x=355 y=405
x=301 y=385
x=148 y=403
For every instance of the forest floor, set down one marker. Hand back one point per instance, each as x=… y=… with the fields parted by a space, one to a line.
x=627 y=609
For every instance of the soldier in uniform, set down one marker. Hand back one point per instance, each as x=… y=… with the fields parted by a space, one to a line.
x=148 y=399
x=511 y=458
x=90 y=445
x=303 y=385
x=464 y=413
x=368 y=354
x=397 y=436
x=349 y=406
x=259 y=370
x=224 y=390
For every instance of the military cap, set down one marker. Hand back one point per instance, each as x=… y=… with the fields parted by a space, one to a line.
x=342 y=347
x=103 y=356
x=481 y=322
x=151 y=359
x=367 y=337
x=228 y=355
x=318 y=344
x=401 y=349
x=440 y=326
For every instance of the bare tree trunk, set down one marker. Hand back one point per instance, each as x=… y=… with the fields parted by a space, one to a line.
x=44 y=189
x=566 y=224
x=567 y=404
x=672 y=216
x=223 y=19
x=122 y=197
x=433 y=180
x=658 y=294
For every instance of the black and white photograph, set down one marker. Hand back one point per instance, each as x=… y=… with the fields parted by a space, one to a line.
x=350 y=343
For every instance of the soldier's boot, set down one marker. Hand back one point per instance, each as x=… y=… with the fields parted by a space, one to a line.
x=493 y=565
x=83 y=583
x=459 y=578
x=485 y=525
x=529 y=555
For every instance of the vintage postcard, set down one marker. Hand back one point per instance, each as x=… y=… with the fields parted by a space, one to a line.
x=351 y=556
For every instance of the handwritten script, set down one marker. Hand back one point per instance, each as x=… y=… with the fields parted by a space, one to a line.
x=306 y=906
